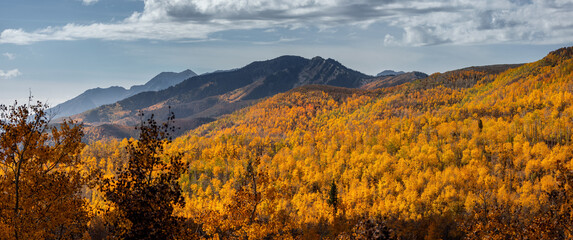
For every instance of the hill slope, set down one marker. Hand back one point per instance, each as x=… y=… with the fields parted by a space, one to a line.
x=484 y=152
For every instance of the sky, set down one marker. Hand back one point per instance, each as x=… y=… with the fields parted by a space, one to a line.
x=59 y=48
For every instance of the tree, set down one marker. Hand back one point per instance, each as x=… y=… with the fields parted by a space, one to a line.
x=40 y=178
x=144 y=194
x=333 y=197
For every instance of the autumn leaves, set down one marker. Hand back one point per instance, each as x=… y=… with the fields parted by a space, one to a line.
x=41 y=180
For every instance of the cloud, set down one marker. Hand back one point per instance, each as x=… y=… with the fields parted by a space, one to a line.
x=422 y=22
x=89 y=2
x=9 y=74
x=10 y=56
x=281 y=40
x=500 y=22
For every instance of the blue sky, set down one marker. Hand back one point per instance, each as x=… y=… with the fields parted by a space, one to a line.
x=59 y=48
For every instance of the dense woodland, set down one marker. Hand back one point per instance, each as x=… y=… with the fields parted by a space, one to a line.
x=477 y=153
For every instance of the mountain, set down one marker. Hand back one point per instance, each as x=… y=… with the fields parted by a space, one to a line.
x=389 y=73
x=206 y=97
x=382 y=81
x=212 y=95
x=162 y=81
x=96 y=97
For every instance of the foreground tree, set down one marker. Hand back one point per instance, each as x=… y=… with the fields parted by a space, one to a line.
x=144 y=194
x=40 y=178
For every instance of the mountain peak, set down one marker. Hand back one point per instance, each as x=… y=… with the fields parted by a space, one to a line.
x=317 y=58
x=96 y=97
x=162 y=81
x=389 y=73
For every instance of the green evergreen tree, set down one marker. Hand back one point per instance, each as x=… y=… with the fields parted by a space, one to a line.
x=333 y=197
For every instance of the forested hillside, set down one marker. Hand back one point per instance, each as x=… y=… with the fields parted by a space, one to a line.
x=478 y=153
x=471 y=153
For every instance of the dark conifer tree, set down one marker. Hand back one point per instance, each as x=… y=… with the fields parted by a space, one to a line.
x=333 y=197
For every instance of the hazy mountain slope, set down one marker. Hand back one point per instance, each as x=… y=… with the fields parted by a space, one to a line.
x=89 y=99
x=162 y=81
x=96 y=97
x=212 y=95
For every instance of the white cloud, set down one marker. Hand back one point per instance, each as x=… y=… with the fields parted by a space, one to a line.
x=9 y=74
x=423 y=22
x=10 y=56
x=503 y=21
x=281 y=40
x=390 y=40
x=89 y=2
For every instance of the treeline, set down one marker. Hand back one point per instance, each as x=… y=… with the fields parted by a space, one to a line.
x=461 y=155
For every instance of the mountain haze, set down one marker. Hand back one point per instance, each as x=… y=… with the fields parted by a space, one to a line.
x=96 y=97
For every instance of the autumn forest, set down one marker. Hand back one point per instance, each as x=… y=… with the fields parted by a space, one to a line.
x=476 y=153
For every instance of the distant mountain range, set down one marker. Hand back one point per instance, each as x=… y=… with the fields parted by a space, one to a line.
x=198 y=99
x=96 y=97
x=221 y=92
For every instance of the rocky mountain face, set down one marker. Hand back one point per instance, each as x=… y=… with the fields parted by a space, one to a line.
x=96 y=97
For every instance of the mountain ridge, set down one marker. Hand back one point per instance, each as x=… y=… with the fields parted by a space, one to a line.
x=96 y=97
x=217 y=93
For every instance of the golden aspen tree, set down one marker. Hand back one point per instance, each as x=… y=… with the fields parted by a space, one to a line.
x=40 y=181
